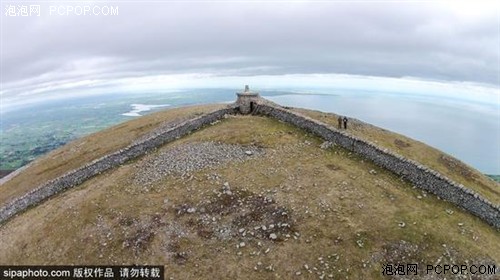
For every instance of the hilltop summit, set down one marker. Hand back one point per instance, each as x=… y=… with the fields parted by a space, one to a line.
x=246 y=197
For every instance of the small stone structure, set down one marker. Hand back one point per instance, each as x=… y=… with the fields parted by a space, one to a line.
x=249 y=102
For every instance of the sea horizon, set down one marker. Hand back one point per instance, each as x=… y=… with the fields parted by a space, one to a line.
x=465 y=130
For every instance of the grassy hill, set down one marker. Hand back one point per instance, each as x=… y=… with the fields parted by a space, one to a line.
x=248 y=198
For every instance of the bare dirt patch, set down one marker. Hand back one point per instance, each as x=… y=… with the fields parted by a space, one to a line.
x=332 y=167
x=228 y=215
x=404 y=252
x=401 y=144
x=456 y=166
x=235 y=213
x=142 y=235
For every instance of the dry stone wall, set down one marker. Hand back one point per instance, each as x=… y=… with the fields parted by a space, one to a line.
x=80 y=175
x=410 y=170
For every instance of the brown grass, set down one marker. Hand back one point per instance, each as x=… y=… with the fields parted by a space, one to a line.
x=88 y=148
x=344 y=220
x=431 y=157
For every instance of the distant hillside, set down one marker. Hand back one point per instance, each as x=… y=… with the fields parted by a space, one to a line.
x=495 y=177
x=247 y=198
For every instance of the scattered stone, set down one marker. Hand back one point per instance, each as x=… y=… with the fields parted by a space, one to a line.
x=248 y=153
x=373 y=172
x=242 y=244
x=270 y=268
x=273 y=236
x=326 y=145
x=185 y=159
x=401 y=224
x=360 y=243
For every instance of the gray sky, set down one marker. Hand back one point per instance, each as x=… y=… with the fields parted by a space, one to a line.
x=436 y=41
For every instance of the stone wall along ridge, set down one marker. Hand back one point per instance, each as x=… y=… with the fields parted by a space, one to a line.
x=412 y=171
x=78 y=176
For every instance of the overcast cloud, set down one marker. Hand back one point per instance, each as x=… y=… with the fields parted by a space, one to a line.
x=446 y=42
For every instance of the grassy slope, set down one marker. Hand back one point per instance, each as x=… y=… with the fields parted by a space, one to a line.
x=333 y=201
x=91 y=147
x=436 y=159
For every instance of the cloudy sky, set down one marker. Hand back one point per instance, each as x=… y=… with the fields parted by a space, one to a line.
x=196 y=43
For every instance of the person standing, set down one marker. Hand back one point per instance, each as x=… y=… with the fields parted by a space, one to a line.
x=345 y=122
x=340 y=122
